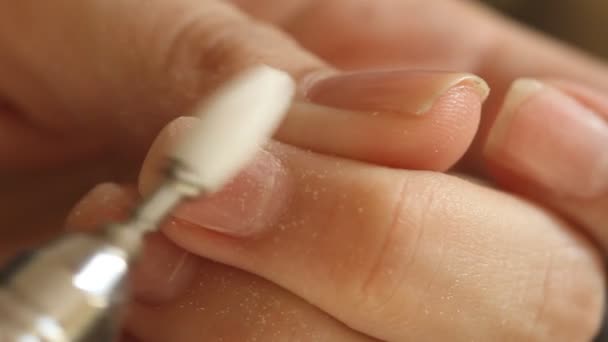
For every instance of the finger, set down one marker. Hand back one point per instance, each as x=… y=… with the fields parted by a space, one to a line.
x=81 y=106
x=181 y=297
x=550 y=142
x=407 y=119
x=106 y=203
x=228 y=304
x=398 y=255
x=132 y=66
x=452 y=35
x=86 y=85
x=129 y=67
x=468 y=37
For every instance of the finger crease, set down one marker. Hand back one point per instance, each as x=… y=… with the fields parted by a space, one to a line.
x=391 y=231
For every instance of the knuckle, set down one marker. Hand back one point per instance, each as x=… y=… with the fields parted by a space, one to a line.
x=179 y=42
x=183 y=52
x=217 y=40
x=204 y=45
x=387 y=282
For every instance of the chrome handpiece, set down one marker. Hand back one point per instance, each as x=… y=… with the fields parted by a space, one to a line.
x=73 y=289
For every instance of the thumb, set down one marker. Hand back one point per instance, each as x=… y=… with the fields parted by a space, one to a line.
x=109 y=75
x=550 y=142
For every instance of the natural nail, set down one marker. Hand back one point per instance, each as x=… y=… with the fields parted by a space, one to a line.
x=393 y=91
x=247 y=205
x=551 y=139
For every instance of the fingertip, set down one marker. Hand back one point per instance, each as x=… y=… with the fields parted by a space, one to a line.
x=399 y=118
x=457 y=115
x=549 y=143
x=438 y=139
x=551 y=139
x=105 y=203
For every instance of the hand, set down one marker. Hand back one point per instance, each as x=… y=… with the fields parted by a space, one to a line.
x=414 y=293
x=168 y=90
x=339 y=250
x=569 y=170
x=87 y=85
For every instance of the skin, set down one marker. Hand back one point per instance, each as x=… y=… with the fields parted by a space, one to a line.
x=78 y=121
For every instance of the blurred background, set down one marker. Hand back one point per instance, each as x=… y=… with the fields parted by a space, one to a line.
x=583 y=23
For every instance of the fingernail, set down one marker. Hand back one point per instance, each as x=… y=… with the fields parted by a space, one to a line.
x=246 y=206
x=551 y=139
x=164 y=271
x=393 y=91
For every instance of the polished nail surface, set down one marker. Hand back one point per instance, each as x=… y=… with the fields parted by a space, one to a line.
x=551 y=139
x=394 y=91
x=247 y=205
